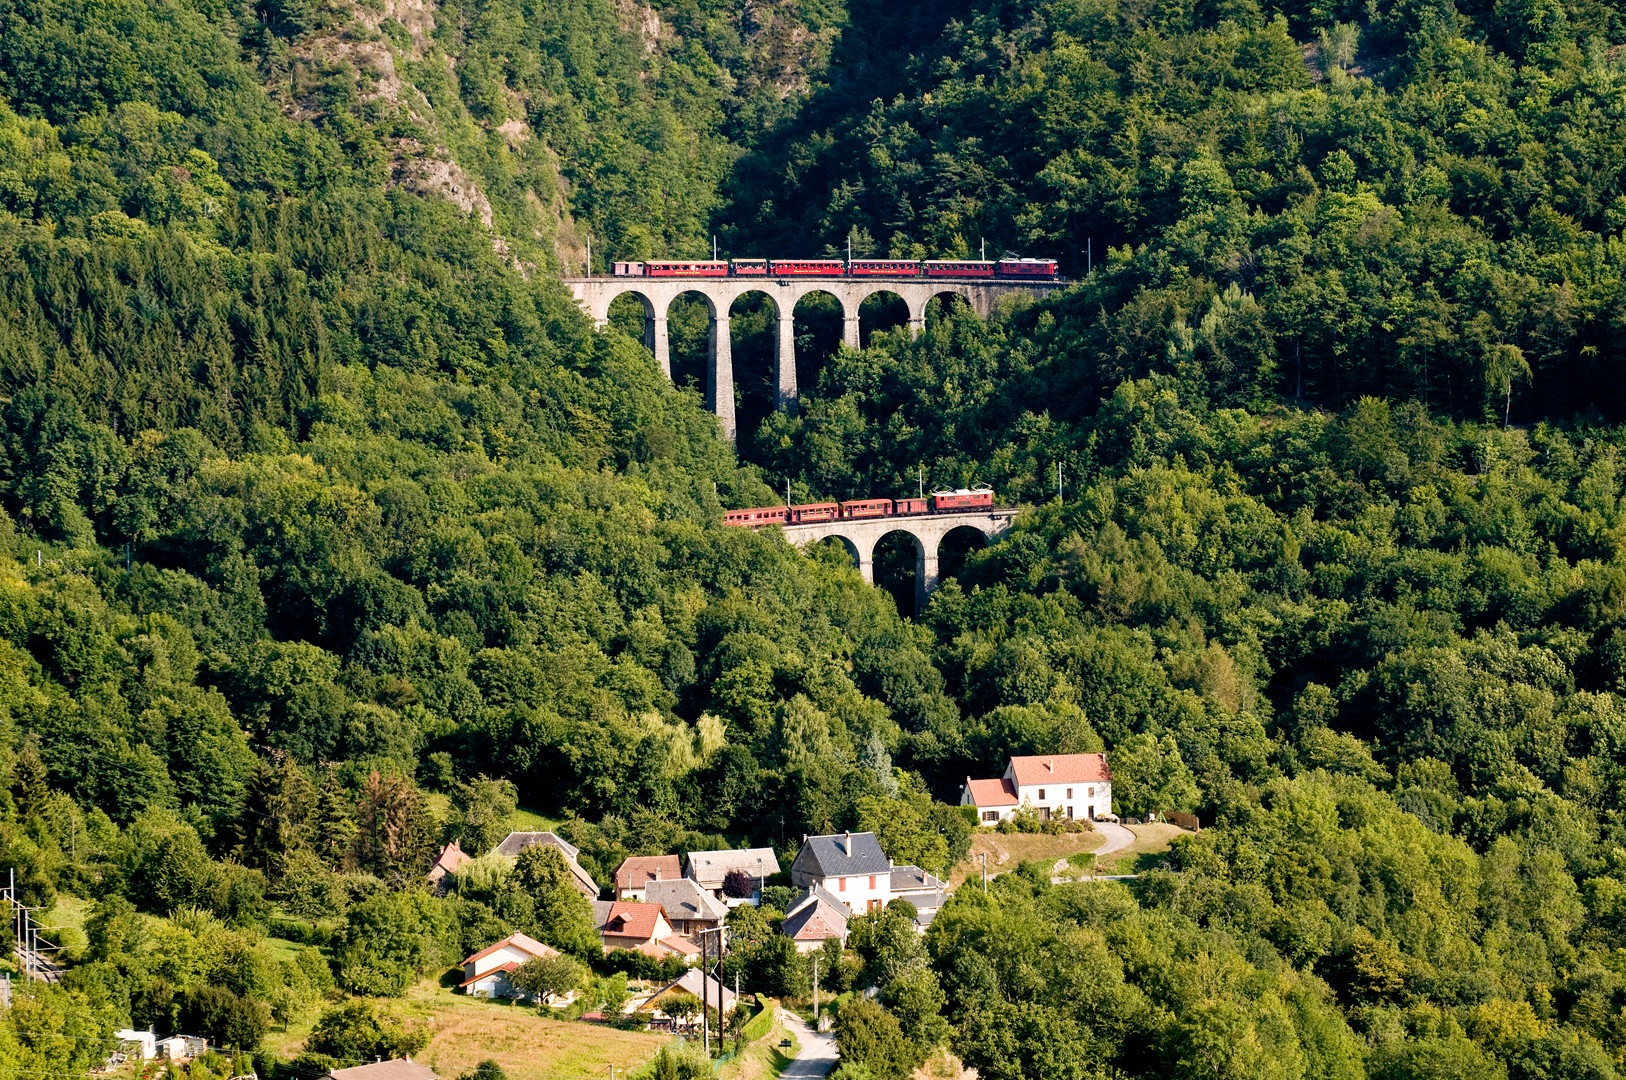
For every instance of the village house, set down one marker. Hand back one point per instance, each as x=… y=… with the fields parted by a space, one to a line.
x=638 y=871
x=628 y=924
x=516 y=842
x=485 y=974
x=815 y=916
x=398 y=1069
x=688 y=988
x=1067 y=786
x=708 y=869
x=450 y=859
x=689 y=908
x=926 y=891
x=849 y=866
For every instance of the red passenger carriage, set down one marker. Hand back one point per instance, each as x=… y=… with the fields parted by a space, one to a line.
x=807 y=267
x=958 y=268
x=893 y=267
x=867 y=508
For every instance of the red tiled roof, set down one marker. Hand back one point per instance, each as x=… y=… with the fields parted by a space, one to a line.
x=637 y=920
x=519 y=941
x=450 y=858
x=640 y=870
x=992 y=792
x=1060 y=769
x=681 y=946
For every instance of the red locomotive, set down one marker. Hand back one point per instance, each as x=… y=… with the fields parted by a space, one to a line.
x=1039 y=268
x=960 y=501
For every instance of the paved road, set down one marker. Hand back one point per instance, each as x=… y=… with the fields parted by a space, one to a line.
x=818 y=1055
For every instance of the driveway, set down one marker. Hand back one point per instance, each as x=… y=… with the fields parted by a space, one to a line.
x=1117 y=836
x=818 y=1054
x=1117 y=839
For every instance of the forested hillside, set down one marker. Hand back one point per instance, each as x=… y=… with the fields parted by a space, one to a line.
x=331 y=531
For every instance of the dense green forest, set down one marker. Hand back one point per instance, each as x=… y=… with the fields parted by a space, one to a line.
x=330 y=530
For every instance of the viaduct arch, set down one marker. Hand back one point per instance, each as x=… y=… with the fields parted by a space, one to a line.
x=861 y=535
x=656 y=294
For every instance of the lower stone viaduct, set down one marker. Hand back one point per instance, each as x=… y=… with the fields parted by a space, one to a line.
x=595 y=294
x=861 y=535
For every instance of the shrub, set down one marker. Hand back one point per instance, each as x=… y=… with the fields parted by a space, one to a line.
x=360 y=1031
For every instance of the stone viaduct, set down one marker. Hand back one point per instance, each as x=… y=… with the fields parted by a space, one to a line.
x=657 y=293
x=861 y=535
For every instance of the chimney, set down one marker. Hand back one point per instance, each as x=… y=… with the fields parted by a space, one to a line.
x=849 y=847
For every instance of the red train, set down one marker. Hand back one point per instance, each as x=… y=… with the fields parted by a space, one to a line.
x=962 y=501
x=960 y=268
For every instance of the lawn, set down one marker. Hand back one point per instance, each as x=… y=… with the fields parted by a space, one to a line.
x=69 y=913
x=466 y=1031
x=1151 y=841
x=1006 y=851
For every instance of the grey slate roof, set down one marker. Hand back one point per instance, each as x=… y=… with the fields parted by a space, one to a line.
x=816 y=919
x=516 y=842
x=684 y=899
x=601 y=912
x=843 y=855
x=911 y=879
x=710 y=867
x=815 y=893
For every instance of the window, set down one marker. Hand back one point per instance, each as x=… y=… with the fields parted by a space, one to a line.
x=990 y=815
x=1041 y=794
x=1092 y=793
x=1069 y=813
x=841 y=884
x=1069 y=793
x=872 y=881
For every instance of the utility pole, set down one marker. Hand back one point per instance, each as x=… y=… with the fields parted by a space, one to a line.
x=589 y=254
x=815 y=993
x=713 y=247
x=984 y=857
x=922 y=469
x=1058 y=482
x=984 y=255
x=705 y=989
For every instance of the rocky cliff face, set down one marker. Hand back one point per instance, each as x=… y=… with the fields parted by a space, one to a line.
x=546 y=121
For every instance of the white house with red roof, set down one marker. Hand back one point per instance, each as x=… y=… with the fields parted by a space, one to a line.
x=485 y=974
x=1064 y=786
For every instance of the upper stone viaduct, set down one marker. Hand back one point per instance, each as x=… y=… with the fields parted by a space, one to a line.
x=657 y=293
